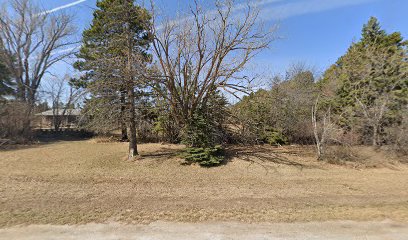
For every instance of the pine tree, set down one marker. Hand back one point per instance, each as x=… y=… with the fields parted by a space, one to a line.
x=372 y=31
x=114 y=57
x=6 y=85
x=371 y=80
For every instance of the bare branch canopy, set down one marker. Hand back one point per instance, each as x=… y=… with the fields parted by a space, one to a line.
x=205 y=51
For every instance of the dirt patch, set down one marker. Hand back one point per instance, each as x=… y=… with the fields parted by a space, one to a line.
x=83 y=181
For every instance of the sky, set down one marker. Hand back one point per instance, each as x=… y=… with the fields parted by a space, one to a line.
x=314 y=32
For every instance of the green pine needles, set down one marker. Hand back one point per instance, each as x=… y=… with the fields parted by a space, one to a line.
x=205 y=157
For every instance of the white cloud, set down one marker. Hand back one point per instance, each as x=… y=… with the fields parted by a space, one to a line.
x=306 y=7
x=270 y=11
x=71 y=49
x=236 y=8
x=63 y=7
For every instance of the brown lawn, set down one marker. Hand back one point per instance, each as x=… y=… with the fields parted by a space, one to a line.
x=75 y=182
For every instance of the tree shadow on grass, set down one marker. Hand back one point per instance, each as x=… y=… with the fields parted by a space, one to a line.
x=44 y=138
x=266 y=157
x=164 y=154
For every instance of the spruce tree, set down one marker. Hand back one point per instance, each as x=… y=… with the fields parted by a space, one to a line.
x=372 y=31
x=114 y=58
x=371 y=81
x=6 y=85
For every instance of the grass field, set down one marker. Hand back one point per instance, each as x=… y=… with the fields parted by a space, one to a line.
x=71 y=182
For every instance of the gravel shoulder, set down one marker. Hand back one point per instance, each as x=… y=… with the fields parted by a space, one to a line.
x=213 y=231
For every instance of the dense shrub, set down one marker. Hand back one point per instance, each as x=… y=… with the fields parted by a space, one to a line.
x=13 y=115
x=166 y=127
x=204 y=128
x=274 y=137
x=338 y=154
x=281 y=114
x=198 y=132
x=206 y=157
x=397 y=136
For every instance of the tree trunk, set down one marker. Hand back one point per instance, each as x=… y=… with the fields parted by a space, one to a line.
x=130 y=87
x=21 y=93
x=132 y=123
x=375 y=129
x=318 y=141
x=57 y=123
x=27 y=121
x=123 y=127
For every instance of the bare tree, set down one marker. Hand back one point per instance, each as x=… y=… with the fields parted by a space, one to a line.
x=374 y=114
x=206 y=51
x=62 y=96
x=31 y=41
x=324 y=130
x=331 y=140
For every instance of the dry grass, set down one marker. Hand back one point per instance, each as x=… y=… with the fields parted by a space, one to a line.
x=83 y=181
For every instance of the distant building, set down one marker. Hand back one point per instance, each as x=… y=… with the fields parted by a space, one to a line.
x=68 y=118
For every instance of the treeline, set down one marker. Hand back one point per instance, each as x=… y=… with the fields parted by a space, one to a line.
x=362 y=99
x=282 y=114
x=32 y=41
x=169 y=81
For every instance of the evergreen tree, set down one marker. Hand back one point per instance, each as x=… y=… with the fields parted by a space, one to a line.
x=372 y=31
x=205 y=128
x=114 y=58
x=370 y=81
x=6 y=85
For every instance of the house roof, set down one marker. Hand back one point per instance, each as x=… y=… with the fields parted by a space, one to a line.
x=68 y=112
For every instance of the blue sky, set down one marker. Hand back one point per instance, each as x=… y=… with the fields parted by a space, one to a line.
x=315 y=32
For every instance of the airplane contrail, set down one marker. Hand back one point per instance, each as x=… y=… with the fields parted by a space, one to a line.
x=293 y=9
x=236 y=8
x=68 y=49
x=270 y=11
x=63 y=7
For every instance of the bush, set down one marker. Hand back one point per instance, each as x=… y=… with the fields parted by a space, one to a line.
x=398 y=138
x=205 y=128
x=199 y=132
x=205 y=157
x=339 y=154
x=12 y=121
x=166 y=128
x=274 y=137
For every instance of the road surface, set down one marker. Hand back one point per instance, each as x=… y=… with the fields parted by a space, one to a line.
x=347 y=230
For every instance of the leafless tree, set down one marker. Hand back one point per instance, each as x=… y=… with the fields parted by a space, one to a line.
x=323 y=128
x=319 y=138
x=32 y=41
x=331 y=140
x=62 y=96
x=374 y=114
x=205 y=51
